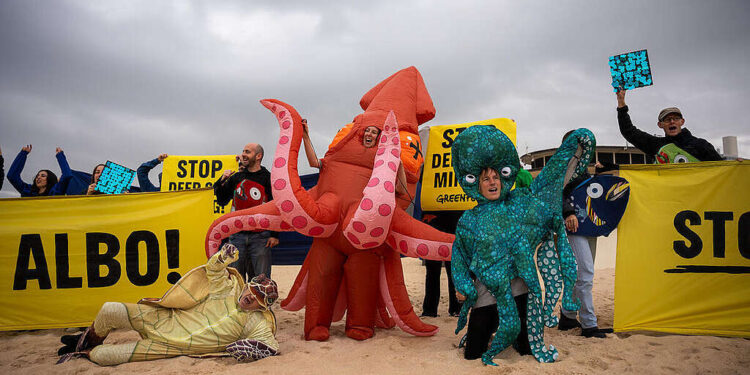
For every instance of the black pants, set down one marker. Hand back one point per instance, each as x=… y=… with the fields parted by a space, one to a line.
x=432 y=289
x=483 y=323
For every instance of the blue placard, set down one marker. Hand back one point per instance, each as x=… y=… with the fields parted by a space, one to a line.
x=114 y=179
x=600 y=203
x=630 y=70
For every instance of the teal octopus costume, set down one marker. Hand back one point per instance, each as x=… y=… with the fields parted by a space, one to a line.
x=496 y=240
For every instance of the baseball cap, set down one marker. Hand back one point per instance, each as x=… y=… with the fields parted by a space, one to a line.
x=664 y=112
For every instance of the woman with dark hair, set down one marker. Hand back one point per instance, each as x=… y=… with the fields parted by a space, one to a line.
x=91 y=190
x=45 y=182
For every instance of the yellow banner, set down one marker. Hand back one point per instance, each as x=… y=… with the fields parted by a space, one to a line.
x=440 y=189
x=683 y=250
x=195 y=172
x=62 y=257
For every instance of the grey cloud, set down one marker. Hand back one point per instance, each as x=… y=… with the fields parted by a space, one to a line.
x=143 y=78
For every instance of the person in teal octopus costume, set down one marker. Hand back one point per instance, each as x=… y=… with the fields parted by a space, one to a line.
x=496 y=240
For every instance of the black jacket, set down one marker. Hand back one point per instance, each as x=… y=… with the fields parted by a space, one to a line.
x=650 y=144
x=227 y=190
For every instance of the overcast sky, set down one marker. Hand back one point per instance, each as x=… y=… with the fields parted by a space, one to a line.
x=128 y=80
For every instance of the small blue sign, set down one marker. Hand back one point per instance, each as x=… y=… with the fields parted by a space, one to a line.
x=115 y=178
x=630 y=70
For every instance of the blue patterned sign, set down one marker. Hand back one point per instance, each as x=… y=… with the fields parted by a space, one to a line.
x=115 y=178
x=630 y=70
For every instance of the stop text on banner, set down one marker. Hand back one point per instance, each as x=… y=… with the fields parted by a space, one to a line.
x=440 y=189
x=195 y=172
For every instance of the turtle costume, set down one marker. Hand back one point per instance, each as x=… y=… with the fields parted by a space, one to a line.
x=199 y=316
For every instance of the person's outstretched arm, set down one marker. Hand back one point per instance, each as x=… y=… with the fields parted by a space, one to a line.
x=14 y=172
x=144 y=169
x=640 y=139
x=67 y=173
x=309 y=150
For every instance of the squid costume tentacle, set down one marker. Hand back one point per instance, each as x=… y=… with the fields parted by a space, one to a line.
x=355 y=214
x=496 y=241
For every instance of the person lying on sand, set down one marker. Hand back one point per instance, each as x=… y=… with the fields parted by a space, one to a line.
x=209 y=312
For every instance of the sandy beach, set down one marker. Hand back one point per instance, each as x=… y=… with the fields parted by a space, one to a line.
x=396 y=352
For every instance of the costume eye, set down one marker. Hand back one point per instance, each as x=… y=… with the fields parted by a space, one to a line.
x=505 y=171
x=470 y=178
x=595 y=190
x=255 y=193
x=680 y=159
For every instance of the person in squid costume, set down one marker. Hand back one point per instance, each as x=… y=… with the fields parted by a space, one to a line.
x=354 y=214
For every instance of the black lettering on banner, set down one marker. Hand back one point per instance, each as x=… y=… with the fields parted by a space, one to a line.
x=62 y=264
x=172 y=186
x=132 y=258
x=95 y=260
x=719 y=219
x=31 y=245
x=181 y=172
x=743 y=235
x=215 y=168
x=218 y=209
x=192 y=167
x=446 y=159
x=173 y=254
x=203 y=168
x=435 y=160
x=448 y=136
x=696 y=244
x=445 y=179
x=441 y=180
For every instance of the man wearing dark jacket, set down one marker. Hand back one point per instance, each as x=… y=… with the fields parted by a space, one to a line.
x=671 y=121
x=250 y=186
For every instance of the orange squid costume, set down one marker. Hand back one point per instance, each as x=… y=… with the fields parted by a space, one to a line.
x=355 y=214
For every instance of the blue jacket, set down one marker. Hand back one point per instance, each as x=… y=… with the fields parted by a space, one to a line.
x=142 y=173
x=14 y=176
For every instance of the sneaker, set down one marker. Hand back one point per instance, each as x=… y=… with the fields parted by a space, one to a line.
x=567 y=323
x=593 y=332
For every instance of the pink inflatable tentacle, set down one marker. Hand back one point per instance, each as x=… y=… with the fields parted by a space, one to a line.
x=228 y=225
x=369 y=226
x=386 y=296
x=285 y=181
x=382 y=318
x=418 y=247
x=298 y=301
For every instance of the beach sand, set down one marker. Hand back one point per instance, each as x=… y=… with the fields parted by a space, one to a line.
x=396 y=352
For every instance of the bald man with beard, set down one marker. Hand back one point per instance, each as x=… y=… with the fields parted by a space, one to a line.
x=247 y=187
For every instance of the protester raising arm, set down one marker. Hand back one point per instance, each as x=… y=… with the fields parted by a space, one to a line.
x=143 y=170
x=43 y=182
x=309 y=150
x=67 y=173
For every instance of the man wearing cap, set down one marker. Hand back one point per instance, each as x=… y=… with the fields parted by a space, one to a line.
x=671 y=121
x=210 y=311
